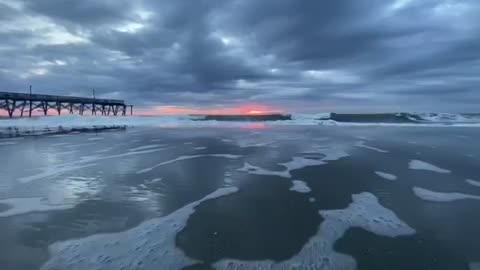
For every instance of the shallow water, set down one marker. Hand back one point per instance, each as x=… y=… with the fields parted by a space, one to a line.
x=84 y=200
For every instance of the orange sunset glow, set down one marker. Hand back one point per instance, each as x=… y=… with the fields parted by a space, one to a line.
x=175 y=110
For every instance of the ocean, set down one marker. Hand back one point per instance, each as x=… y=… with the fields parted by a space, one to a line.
x=313 y=192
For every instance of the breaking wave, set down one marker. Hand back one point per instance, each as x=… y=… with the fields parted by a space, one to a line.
x=405 y=118
x=37 y=125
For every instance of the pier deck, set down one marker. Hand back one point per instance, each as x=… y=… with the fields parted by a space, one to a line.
x=12 y=102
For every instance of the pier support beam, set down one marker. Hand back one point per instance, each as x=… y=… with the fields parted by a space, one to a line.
x=11 y=108
x=59 y=108
x=30 y=101
x=23 y=108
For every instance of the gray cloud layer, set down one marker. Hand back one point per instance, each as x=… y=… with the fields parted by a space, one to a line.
x=312 y=55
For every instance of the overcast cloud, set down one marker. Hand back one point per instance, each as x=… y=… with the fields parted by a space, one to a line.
x=310 y=55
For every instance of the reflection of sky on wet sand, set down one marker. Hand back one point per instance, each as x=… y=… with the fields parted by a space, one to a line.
x=74 y=188
x=77 y=180
x=73 y=168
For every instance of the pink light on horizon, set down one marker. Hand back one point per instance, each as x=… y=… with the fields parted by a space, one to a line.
x=175 y=110
x=171 y=110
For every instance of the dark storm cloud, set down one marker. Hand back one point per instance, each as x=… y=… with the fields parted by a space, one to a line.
x=298 y=55
x=85 y=12
x=313 y=31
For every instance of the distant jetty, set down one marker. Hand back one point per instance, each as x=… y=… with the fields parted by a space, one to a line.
x=21 y=103
x=375 y=118
x=243 y=117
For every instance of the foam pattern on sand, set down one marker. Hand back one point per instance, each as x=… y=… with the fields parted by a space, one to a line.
x=254 y=141
x=144 y=147
x=249 y=168
x=386 y=176
x=154 y=180
x=104 y=150
x=95 y=139
x=180 y=158
x=53 y=170
x=474 y=266
x=19 y=206
x=473 y=182
x=422 y=165
x=57 y=169
x=149 y=246
x=364 y=212
x=433 y=196
x=363 y=145
x=298 y=162
x=300 y=186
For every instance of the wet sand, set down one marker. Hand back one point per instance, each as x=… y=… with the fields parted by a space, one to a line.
x=241 y=198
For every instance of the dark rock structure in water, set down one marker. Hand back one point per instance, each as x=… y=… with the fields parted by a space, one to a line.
x=245 y=117
x=376 y=118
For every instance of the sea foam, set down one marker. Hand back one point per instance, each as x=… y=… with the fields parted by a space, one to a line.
x=180 y=158
x=19 y=206
x=473 y=182
x=318 y=253
x=422 y=165
x=149 y=246
x=433 y=196
x=300 y=186
x=386 y=176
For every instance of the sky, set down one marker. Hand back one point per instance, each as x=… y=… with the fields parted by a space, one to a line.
x=184 y=56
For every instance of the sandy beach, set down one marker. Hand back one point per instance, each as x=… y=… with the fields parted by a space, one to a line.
x=281 y=197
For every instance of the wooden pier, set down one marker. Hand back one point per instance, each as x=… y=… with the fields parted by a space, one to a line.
x=12 y=102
